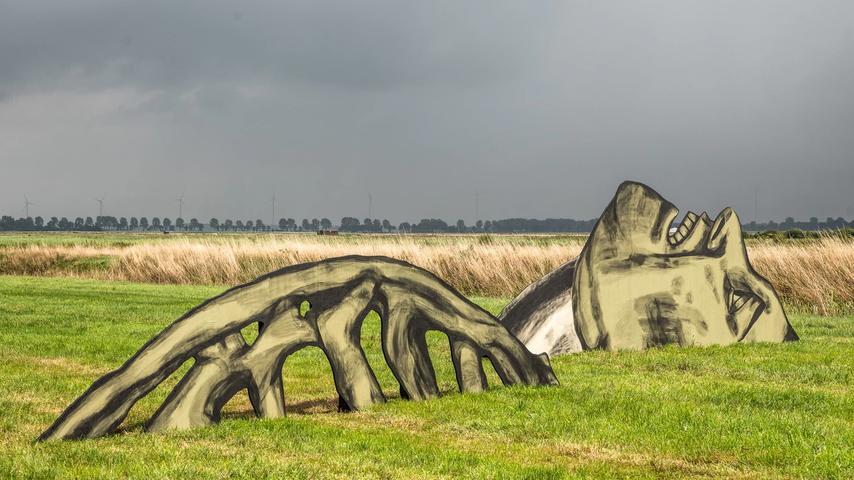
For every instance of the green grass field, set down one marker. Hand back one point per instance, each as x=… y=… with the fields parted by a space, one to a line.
x=754 y=411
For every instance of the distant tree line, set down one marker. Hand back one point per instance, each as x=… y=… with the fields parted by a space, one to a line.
x=792 y=229
x=791 y=224
x=352 y=224
x=508 y=225
x=367 y=225
x=107 y=223
x=538 y=226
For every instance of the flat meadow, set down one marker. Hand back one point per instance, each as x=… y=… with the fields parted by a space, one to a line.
x=74 y=307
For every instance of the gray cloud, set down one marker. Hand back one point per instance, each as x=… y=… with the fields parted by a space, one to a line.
x=542 y=108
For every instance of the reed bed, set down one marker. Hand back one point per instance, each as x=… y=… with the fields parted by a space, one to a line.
x=815 y=276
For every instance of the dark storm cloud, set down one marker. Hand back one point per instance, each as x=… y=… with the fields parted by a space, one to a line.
x=542 y=107
x=349 y=45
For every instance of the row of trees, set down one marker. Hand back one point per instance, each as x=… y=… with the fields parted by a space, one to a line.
x=105 y=222
x=791 y=224
x=347 y=224
x=436 y=225
x=352 y=224
x=509 y=225
x=102 y=223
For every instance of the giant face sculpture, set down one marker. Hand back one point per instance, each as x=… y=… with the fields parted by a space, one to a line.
x=637 y=285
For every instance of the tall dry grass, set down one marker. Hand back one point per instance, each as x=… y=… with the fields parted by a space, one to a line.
x=481 y=265
x=817 y=276
x=813 y=276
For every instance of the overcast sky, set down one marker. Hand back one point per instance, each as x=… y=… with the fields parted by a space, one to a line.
x=543 y=108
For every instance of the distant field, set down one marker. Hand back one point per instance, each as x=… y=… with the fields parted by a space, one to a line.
x=814 y=276
x=745 y=411
x=496 y=265
x=124 y=239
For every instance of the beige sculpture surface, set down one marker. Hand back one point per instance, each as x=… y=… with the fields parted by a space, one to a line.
x=341 y=292
x=637 y=285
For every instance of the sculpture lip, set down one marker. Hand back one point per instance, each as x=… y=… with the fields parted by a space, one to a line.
x=635 y=200
x=666 y=217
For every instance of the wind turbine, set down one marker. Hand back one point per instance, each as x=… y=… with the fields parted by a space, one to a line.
x=476 y=206
x=101 y=205
x=27 y=204
x=273 y=218
x=180 y=201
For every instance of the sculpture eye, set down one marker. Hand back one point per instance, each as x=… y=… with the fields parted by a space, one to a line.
x=743 y=307
x=737 y=300
x=737 y=297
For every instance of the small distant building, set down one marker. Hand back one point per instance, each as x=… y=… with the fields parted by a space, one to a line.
x=327 y=232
